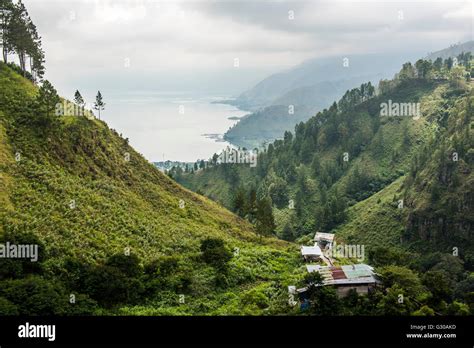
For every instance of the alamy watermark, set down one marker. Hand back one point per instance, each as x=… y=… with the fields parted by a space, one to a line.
x=229 y=155
x=37 y=331
x=391 y=109
x=349 y=251
x=19 y=251
x=70 y=109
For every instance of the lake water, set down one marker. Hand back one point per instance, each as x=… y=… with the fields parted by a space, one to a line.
x=170 y=126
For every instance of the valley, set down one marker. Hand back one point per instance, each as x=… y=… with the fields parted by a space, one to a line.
x=349 y=191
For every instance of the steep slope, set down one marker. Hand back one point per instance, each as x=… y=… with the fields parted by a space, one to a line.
x=429 y=208
x=400 y=185
x=81 y=192
x=352 y=156
x=309 y=167
x=440 y=188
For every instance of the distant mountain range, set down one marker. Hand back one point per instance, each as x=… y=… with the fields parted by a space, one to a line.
x=311 y=87
x=320 y=72
x=452 y=51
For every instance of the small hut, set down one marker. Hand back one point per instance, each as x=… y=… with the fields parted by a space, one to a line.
x=324 y=240
x=311 y=253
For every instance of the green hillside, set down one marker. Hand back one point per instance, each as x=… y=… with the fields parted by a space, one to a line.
x=400 y=185
x=436 y=193
x=348 y=167
x=309 y=167
x=114 y=230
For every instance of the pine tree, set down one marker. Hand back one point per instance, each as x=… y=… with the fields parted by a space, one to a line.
x=48 y=97
x=251 y=206
x=438 y=64
x=18 y=35
x=37 y=66
x=6 y=7
x=46 y=103
x=239 y=202
x=423 y=67
x=215 y=157
x=288 y=233
x=99 y=103
x=78 y=99
x=407 y=72
x=449 y=63
x=370 y=90
x=265 y=224
x=35 y=52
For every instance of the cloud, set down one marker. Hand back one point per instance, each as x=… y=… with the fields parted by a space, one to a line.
x=131 y=47
x=177 y=38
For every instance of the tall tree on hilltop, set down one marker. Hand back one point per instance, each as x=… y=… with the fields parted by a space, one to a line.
x=449 y=63
x=438 y=64
x=35 y=52
x=78 y=98
x=47 y=97
x=37 y=67
x=407 y=72
x=18 y=34
x=423 y=67
x=6 y=8
x=99 y=104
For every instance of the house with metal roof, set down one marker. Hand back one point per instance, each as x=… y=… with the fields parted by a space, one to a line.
x=360 y=277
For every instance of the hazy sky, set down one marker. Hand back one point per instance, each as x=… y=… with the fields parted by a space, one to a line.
x=138 y=51
x=192 y=45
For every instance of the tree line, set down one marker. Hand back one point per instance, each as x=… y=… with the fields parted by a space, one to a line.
x=455 y=69
x=18 y=35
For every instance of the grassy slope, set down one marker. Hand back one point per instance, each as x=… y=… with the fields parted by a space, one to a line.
x=378 y=221
x=119 y=204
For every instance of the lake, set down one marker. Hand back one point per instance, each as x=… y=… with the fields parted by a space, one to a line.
x=170 y=126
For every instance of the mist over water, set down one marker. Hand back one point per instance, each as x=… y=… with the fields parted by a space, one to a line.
x=170 y=125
